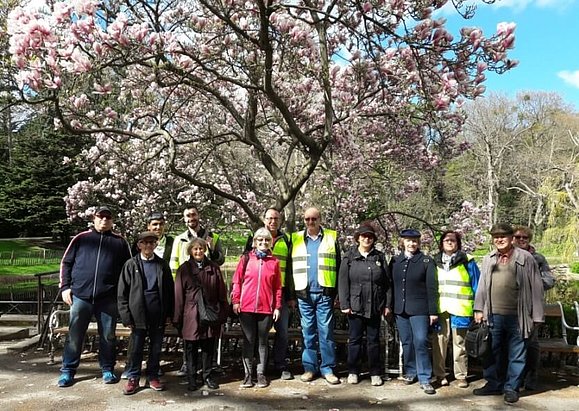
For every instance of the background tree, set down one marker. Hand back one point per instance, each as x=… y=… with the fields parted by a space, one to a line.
x=250 y=104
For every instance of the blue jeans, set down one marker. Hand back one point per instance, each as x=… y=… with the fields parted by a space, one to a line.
x=506 y=339
x=137 y=345
x=280 y=341
x=317 y=321
x=413 y=330
x=357 y=325
x=81 y=312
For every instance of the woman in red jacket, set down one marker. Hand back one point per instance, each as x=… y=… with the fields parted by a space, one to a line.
x=256 y=297
x=196 y=275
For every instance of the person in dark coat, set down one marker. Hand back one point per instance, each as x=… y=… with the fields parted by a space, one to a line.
x=199 y=275
x=365 y=294
x=415 y=306
x=145 y=301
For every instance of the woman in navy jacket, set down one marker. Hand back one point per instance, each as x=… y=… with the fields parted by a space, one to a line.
x=365 y=293
x=415 y=306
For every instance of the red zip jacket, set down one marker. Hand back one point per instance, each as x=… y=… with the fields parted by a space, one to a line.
x=258 y=290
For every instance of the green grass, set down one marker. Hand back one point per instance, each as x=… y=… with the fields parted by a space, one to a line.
x=18 y=245
x=35 y=269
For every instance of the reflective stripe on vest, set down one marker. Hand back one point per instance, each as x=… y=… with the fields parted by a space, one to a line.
x=456 y=294
x=280 y=251
x=326 y=260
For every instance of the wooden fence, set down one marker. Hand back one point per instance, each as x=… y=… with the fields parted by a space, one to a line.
x=30 y=258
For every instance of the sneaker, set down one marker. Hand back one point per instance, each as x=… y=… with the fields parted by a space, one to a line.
x=125 y=375
x=352 y=378
x=408 y=379
x=376 y=380
x=109 y=377
x=511 y=397
x=247 y=383
x=443 y=382
x=307 y=376
x=262 y=381
x=286 y=375
x=132 y=386
x=182 y=371
x=65 y=380
x=427 y=388
x=332 y=379
x=155 y=384
x=462 y=383
x=486 y=390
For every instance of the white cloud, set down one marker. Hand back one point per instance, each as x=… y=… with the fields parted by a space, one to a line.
x=570 y=77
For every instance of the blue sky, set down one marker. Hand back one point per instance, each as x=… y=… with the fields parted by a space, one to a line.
x=546 y=44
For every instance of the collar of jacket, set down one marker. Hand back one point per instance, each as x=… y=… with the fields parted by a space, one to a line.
x=355 y=252
x=518 y=255
x=200 y=234
x=321 y=234
x=461 y=258
x=415 y=257
x=108 y=232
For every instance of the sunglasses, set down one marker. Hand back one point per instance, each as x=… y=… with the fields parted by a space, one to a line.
x=310 y=218
x=521 y=237
x=104 y=216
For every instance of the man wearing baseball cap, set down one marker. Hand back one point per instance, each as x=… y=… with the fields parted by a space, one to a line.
x=89 y=274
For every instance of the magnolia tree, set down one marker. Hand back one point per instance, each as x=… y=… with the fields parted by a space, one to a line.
x=251 y=103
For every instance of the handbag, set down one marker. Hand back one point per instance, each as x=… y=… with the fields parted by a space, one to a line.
x=208 y=313
x=478 y=340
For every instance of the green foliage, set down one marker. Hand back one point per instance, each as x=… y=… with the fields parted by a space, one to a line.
x=575 y=267
x=34 y=178
x=562 y=241
x=565 y=290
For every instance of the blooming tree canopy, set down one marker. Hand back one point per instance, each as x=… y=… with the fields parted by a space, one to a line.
x=250 y=103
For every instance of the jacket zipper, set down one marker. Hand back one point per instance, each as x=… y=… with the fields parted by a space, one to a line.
x=258 y=285
x=96 y=269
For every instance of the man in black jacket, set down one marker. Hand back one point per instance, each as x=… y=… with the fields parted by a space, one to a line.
x=146 y=301
x=89 y=274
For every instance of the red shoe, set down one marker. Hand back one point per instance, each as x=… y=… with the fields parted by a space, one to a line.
x=131 y=387
x=156 y=385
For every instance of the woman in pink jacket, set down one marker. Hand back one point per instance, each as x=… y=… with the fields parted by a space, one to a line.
x=256 y=297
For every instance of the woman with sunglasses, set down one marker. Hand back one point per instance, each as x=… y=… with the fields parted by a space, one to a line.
x=256 y=298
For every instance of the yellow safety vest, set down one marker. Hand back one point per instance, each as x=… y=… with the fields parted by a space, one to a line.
x=456 y=293
x=280 y=251
x=179 y=253
x=327 y=273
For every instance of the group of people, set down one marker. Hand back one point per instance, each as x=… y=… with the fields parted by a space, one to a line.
x=430 y=298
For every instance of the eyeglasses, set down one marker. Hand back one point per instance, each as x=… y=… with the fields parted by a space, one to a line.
x=521 y=237
x=104 y=216
x=149 y=242
x=310 y=218
x=272 y=218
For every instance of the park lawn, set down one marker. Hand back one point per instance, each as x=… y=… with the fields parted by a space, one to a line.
x=17 y=245
x=22 y=270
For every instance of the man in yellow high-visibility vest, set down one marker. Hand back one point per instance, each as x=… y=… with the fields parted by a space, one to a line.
x=315 y=264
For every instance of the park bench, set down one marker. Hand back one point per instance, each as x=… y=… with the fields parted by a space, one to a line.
x=557 y=342
x=230 y=337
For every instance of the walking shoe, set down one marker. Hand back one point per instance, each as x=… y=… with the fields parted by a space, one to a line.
x=286 y=375
x=511 y=397
x=247 y=383
x=444 y=382
x=182 y=371
x=132 y=386
x=109 y=377
x=307 y=376
x=211 y=384
x=376 y=380
x=155 y=384
x=192 y=386
x=427 y=388
x=65 y=380
x=332 y=379
x=262 y=381
x=486 y=390
x=125 y=375
x=352 y=378
x=408 y=379
x=462 y=383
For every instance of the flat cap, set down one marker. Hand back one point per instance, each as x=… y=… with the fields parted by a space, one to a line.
x=410 y=233
x=502 y=229
x=147 y=234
